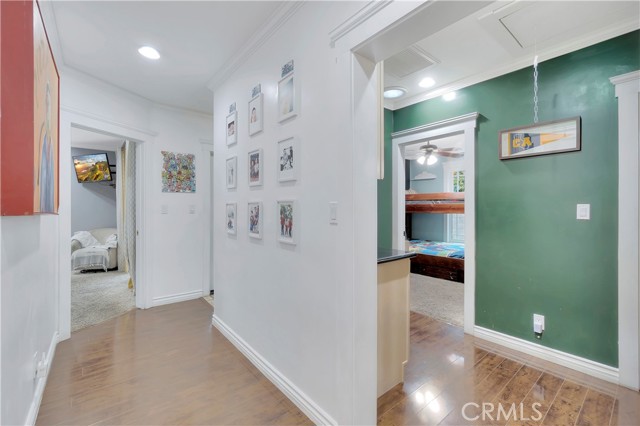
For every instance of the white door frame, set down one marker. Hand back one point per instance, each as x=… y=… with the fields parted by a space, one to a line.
x=206 y=147
x=465 y=125
x=70 y=118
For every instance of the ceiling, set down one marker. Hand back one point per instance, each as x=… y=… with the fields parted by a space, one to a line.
x=503 y=37
x=455 y=142
x=196 y=39
x=87 y=139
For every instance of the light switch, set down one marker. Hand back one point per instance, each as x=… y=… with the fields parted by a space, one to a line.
x=192 y=209
x=333 y=212
x=164 y=209
x=583 y=212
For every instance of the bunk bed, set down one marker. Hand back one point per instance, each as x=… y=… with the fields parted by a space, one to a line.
x=435 y=259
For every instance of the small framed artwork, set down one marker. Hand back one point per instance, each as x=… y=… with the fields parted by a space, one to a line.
x=288 y=221
x=550 y=137
x=287 y=107
x=288 y=160
x=255 y=219
x=232 y=133
x=255 y=167
x=232 y=172
x=231 y=218
x=255 y=115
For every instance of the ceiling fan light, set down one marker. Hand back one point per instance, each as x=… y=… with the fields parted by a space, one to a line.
x=421 y=159
x=432 y=160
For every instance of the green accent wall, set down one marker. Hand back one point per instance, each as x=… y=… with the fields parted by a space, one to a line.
x=532 y=255
x=384 y=186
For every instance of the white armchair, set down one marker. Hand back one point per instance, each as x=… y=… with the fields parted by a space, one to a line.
x=100 y=255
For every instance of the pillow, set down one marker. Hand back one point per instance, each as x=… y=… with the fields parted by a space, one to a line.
x=112 y=241
x=85 y=239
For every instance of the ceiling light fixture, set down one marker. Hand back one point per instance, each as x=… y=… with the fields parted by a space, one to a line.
x=449 y=96
x=394 y=92
x=427 y=82
x=149 y=52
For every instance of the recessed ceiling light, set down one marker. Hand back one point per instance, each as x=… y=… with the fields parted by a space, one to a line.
x=449 y=96
x=149 y=52
x=427 y=82
x=394 y=92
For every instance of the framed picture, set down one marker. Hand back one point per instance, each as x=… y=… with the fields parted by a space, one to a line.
x=232 y=172
x=255 y=115
x=254 y=221
x=232 y=131
x=287 y=107
x=550 y=137
x=178 y=172
x=288 y=160
x=255 y=167
x=231 y=218
x=288 y=221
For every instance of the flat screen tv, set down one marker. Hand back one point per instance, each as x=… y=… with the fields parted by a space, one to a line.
x=92 y=168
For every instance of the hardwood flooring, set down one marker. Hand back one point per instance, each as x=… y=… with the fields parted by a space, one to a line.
x=448 y=369
x=166 y=365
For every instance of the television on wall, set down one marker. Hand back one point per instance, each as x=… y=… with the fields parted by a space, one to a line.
x=92 y=168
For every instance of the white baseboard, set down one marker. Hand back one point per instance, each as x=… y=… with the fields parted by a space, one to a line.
x=300 y=399
x=583 y=365
x=180 y=297
x=42 y=382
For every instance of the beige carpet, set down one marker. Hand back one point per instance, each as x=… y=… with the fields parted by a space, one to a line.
x=436 y=298
x=99 y=296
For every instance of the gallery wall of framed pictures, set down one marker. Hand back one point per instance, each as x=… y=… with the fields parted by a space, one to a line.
x=268 y=157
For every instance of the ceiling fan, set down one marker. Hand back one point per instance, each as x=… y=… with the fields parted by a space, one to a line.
x=429 y=151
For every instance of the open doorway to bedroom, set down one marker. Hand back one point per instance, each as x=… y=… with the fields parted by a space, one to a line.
x=102 y=227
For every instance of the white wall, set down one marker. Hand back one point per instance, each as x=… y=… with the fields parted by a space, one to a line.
x=29 y=273
x=93 y=205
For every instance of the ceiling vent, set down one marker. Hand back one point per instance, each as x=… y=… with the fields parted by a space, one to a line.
x=408 y=61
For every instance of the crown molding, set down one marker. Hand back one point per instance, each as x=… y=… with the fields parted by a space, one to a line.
x=355 y=20
x=277 y=19
x=625 y=78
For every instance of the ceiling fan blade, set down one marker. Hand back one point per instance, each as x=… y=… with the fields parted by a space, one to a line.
x=454 y=154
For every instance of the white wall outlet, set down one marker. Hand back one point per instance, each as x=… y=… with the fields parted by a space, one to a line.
x=164 y=209
x=583 y=212
x=538 y=323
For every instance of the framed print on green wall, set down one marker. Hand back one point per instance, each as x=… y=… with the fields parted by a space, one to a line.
x=550 y=137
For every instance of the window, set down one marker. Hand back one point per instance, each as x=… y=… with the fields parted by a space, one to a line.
x=454 y=182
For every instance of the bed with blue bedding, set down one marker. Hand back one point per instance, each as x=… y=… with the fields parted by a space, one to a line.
x=438 y=259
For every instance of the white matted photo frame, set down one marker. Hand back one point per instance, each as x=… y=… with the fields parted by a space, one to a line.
x=254 y=219
x=287 y=105
x=255 y=160
x=231 y=218
x=232 y=128
x=232 y=172
x=256 y=115
x=288 y=159
x=288 y=221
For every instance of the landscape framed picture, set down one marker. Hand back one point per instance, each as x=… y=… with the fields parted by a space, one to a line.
x=550 y=137
x=255 y=167
x=232 y=125
x=254 y=220
x=231 y=217
x=255 y=115
x=287 y=107
x=232 y=172
x=288 y=221
x=288 y=160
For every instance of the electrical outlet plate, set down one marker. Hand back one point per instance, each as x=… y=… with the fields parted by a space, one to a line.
x=538 y=323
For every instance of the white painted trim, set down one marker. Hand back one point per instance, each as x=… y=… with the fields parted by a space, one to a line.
x=627 y=87
x=206 y=147
x=175 y=298
x=291 y=391
x=42 y=383
x=465 y=124
x=282 y=14
x=583 y=365
x=356 y=20
x=106 y=121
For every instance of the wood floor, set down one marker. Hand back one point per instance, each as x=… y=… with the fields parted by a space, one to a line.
x=166 y=365
x=448 y=369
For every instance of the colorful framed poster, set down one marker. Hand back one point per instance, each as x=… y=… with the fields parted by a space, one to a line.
x=255 y=167
x=288 y=221
x=232 y=131
x=178 y=172
x=288 y=160
x=254 y=224
x=287 y=107
x=231 y=217
x=550 y=137
x=232 y=172
x=255 y=115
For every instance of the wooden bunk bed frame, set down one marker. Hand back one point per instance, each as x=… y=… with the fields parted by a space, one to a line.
x=448 y=268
